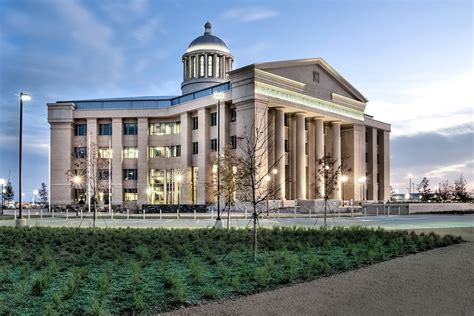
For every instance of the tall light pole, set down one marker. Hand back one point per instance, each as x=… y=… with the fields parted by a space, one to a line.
x=2 y=183
x=409 y=185
x=20 y=221
x=219 y=96
x=344 y=179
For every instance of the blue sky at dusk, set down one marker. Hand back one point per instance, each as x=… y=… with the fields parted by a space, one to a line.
x=411 y=59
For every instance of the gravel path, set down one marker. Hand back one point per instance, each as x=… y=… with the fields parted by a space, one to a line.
x=437 y=282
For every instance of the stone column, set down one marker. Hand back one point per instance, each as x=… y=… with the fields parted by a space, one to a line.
x=311 y=187
x=142 y=183
x=319 y=148
x=371 y=162
x=117 y=177
x=205 y=66
x=293 y=155
x=186 y=158
x=336 y=154
x=190 y=68
x=300 y=157
x=61 y=142
x=204 y=169
x=384 y=165
x=280 y=153
x=223 y=116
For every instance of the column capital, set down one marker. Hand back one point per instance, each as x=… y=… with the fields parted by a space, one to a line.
x=318 y=118
x=300 y=113
x=336 y=122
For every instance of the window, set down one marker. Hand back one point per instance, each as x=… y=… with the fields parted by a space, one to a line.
x=165 y=128
x=233 y=115
x=130 y=152
x=195 y=122
x=165 y=151
x=287 y=148
x=194 y=181
x=214 y=144
x=213 y=118
x=130 y=174
x=218 y=67
x=201 y=65
x=194 y=67
x=103 y=174
x=80 y=129
x=233 y=142
x=178 y=150
x=105 y=152
x=306 y=148
x=163 y=185
x=130 y=194
x=80 y=152
x=195 y=148
x=366 y=157
x=105 y=129
x=130 y=129
x=315 y=76
x=286 y=120
x=209 y=66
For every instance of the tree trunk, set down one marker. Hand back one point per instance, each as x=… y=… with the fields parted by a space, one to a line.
x=254 y=233
x=95 y=214
x=325 y=209
x=228 y=217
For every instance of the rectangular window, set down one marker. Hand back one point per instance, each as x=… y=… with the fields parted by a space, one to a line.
x=209 y=66
x=194 y=66
x=233 y=142
x=195 y=122
x=130 y=174
x=214 y=144
x=213 y=118
x=287 y=148
x=201 y=65
x=178 y=150
x=233 y=115
x=159 y=129
x=195 y=148
x=306 y=148
x=366 y=157
x=218 y=67
x=80 y=129
x=315 y=76
x=80 y=152
x=105 y=153
x=105 y=129
x=130 y=194
x=286 y=119
x=130 y=152
x=103 y=174
x=130 y=129
x=194 y=181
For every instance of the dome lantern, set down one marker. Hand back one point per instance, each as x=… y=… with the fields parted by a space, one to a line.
x=206 y=62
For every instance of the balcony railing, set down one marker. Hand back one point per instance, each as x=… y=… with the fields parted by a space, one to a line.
x=151 y=103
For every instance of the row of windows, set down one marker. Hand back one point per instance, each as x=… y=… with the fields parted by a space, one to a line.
x=165 y=151
x=132 y=152
x=165 y=128
x=197 y=67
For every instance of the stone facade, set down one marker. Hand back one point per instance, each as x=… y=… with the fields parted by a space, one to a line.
x=310 y=111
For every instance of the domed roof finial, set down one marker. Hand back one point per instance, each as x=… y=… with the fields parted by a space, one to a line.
x=207 y=28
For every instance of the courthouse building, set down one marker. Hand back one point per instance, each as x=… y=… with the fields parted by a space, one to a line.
x=151 y=142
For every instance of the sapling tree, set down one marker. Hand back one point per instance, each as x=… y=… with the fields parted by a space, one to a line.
x=424 y=189
x=329 y=170
x=90 y=173
x=445 y=191
x=460 y=189
x=43 y=193
x=8 y=194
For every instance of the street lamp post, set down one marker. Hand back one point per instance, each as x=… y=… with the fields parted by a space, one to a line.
x=344 y=179
x=2 y=182
x=20 y=221
x=218 y=96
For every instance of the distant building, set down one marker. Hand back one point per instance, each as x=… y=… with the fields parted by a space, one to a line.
x=311 y=108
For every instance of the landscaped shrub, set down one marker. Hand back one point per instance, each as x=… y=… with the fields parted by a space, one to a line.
x=62 y=271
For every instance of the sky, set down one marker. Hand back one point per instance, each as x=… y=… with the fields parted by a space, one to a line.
x=412 y=59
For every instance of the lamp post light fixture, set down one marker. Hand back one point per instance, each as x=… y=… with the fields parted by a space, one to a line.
x=218 y=95
x=20 y=221
x=362 y=181
x=2 y=183
x=344 y=179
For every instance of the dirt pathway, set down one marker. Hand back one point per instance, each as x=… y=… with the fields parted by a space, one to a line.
x=437 y=282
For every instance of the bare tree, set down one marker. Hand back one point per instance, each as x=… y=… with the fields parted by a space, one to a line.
x=90 y=172
x=43 y=193
x=445 y=191
x=424 y=189
x=328 y=170
x=251 y=169
x=460 y=189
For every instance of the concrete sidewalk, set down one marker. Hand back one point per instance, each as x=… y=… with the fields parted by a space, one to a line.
x=437 y=282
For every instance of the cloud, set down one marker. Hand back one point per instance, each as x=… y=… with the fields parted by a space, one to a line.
x=147 y=31
x=249 y=14
x=437 y=106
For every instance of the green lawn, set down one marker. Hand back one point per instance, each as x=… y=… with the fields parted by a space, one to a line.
x=81 y=271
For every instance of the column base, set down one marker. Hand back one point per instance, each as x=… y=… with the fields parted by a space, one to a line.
x=20 y=222
x=219 y=224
